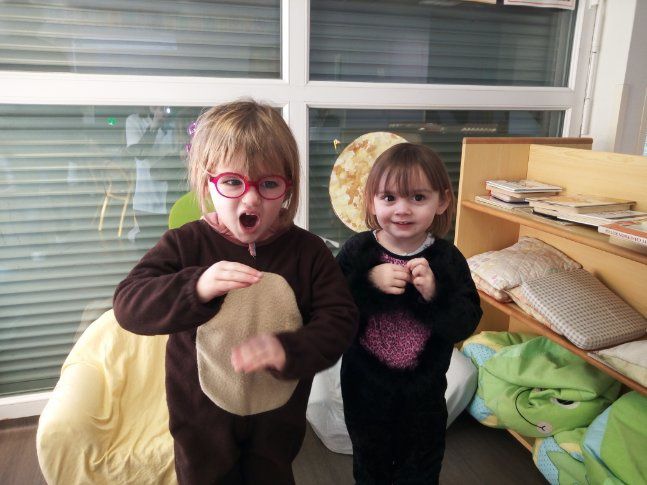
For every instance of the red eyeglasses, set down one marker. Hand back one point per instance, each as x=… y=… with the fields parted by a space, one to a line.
x=233 y=185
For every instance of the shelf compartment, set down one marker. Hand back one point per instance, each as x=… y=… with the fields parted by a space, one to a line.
x=537 y=327
x=581 y=234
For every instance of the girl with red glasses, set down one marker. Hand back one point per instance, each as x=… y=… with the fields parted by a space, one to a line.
x=254 y=306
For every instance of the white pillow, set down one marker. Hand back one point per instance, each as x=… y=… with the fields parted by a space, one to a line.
x=525 y=260
x=325 y=411
x=629 y=359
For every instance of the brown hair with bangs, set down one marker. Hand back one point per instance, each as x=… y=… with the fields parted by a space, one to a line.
x=401 y=163
x=249 y=136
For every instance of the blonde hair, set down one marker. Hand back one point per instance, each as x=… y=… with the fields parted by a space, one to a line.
x=400 y=163
x=249 y=137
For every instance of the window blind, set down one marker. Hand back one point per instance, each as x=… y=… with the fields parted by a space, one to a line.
x=61 y=253
x=189 y=38
x=427 y=42
x=443 y=131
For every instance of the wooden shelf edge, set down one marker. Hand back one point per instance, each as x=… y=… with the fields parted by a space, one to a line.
x=525 y=441
x=514 y=311
x=577 y=233
x=487 y=140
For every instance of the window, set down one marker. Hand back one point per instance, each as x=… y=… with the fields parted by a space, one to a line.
x=73 y=73
x=194 y=38
x=442 y=131
x=428 y=42
x=78 y=208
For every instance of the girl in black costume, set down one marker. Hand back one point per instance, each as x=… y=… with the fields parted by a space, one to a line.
x=416 y=299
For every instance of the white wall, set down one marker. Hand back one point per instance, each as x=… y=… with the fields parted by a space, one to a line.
x=619 y=97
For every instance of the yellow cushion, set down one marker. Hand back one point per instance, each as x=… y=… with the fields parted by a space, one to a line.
x=107 y=419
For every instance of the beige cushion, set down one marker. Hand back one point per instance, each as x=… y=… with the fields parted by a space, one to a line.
x=527 y=259
x=267 y=306
x=585 y=311
x=520 y=299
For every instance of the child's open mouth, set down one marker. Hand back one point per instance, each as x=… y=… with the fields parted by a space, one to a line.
x=248 y=220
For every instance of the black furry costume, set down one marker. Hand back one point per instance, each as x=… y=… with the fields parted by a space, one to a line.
x=397 y=417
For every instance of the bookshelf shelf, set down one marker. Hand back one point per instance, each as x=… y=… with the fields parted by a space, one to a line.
x=568 y=163
x=578 y=233
x=539 y=328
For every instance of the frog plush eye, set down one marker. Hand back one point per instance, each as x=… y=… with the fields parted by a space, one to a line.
x=565 y=403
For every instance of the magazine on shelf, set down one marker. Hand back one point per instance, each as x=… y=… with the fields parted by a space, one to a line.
x=601 y=218
x=499 y=204
x=521 y=186
x=635 y=231
x=580 y=203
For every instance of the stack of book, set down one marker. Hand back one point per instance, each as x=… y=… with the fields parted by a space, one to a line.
x=585 y=209
x=513 y=194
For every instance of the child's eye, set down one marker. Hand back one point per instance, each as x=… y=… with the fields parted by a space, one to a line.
x=233 y=181
x=418 y=197
x=388 y=197
x=269 y=184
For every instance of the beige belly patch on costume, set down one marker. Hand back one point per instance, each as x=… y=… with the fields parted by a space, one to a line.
x=267 y=306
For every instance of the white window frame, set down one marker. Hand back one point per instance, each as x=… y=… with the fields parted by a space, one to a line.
x=295 y=94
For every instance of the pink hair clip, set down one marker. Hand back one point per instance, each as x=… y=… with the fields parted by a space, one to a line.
x=190 y=130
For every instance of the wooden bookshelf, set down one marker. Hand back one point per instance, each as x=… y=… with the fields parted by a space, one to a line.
x=569 y=163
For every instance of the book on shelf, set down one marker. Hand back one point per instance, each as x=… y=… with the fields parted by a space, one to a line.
x=599 y=218
x=635 y=231
x=580 y=203
x=514 y=196
x=549 y=216
x=626 y=243
x=521 y=186
x=500 y=204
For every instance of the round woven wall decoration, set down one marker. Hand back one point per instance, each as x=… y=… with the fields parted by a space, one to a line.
x=350 y=172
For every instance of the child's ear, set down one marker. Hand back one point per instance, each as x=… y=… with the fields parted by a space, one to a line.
x=444 y=202
x=370 y=207
x=287 y=197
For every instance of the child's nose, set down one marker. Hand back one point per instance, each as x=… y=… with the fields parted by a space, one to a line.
x=402 y=207
x=251 y=197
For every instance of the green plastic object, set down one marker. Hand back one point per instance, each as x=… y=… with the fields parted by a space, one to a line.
x=186 y=209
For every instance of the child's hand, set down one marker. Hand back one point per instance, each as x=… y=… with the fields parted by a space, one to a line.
x=389 y=278
x=423 y=277
x=223 y=277
x=259 y=352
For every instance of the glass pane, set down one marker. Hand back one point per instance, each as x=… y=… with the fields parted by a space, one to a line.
x=166 y=38
x=84 y=192
x=443 y=131
x=428 y=42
